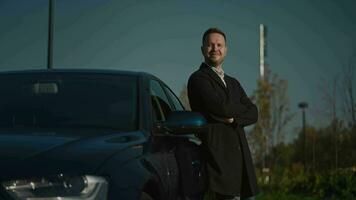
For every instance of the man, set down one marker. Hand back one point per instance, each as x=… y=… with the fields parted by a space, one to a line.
x=225 y=105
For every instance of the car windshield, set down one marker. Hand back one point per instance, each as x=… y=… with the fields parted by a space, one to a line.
x=68 y=100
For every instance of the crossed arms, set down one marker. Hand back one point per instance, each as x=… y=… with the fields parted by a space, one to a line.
x=223 y=109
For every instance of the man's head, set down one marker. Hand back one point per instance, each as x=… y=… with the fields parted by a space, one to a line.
x=214 y=47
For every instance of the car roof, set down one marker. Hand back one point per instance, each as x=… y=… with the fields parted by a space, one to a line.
x=80 y=71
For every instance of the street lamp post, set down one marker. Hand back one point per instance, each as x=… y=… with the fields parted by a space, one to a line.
x=50 y=35
x=303 y=106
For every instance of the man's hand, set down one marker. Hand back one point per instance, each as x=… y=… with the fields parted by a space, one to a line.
x=224 y=120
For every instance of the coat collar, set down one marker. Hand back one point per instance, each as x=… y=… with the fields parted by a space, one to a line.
x=206 y=69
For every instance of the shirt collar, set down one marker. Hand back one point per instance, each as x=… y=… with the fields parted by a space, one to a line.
x=217 y=71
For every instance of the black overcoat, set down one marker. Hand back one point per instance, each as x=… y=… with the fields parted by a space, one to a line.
x=230 y=167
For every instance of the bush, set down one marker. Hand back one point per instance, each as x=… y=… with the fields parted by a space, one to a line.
x=338 y=184
x=282 y=196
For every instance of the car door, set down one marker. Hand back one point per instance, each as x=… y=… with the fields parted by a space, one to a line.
x=179 y=162
x=162 y=145
x=188 y=156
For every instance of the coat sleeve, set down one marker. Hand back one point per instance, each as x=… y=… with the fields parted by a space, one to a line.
x=202 y=88
x=250 y=115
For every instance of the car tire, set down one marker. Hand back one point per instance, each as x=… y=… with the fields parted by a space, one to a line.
x=145 y=196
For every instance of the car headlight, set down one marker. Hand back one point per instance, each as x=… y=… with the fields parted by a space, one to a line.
x=58 y=187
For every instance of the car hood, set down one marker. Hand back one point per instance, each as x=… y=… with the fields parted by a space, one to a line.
x=49 y=153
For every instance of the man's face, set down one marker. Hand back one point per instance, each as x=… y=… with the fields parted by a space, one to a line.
x=214 y=49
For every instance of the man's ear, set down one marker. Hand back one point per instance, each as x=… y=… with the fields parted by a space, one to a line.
x=202 y=50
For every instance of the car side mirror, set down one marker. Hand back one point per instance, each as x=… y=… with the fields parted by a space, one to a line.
x=184 y=122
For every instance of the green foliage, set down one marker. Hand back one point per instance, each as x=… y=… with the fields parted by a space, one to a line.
x=337 y=184
x=272 y=101
x=320 y=164
x=320 y=178
x=282 y=196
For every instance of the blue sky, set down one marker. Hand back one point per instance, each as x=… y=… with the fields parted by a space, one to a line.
x=307 y=39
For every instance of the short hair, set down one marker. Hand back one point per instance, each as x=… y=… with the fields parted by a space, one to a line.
x=210 y=31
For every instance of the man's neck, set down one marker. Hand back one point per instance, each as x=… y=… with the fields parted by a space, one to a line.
x=218 y=67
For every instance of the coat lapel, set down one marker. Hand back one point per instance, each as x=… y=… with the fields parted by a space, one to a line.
x=229 y=83
x=206 y=69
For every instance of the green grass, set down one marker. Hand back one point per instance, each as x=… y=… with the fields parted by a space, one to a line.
x=282 y=196
x=271 y=196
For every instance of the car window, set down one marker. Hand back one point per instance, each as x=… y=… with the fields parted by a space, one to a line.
x=160 y=103
x=173 y=97
x=64 y=100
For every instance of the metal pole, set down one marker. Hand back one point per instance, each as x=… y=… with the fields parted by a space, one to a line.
x=303 y=106
x=314 y=152
x=304 y=139
x=50 y=36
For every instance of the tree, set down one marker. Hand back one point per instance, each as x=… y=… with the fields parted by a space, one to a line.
x=274 y=114
x=328 y=92
x=281 y=114
x=347 y=89
x=262 y=130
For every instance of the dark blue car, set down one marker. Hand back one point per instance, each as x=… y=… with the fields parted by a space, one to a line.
x=96 y=134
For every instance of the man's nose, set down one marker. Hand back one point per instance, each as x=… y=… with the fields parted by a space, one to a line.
x=215 y=47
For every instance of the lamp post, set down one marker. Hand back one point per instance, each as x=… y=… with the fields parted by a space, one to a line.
x=303 y=106
x=50 y=35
